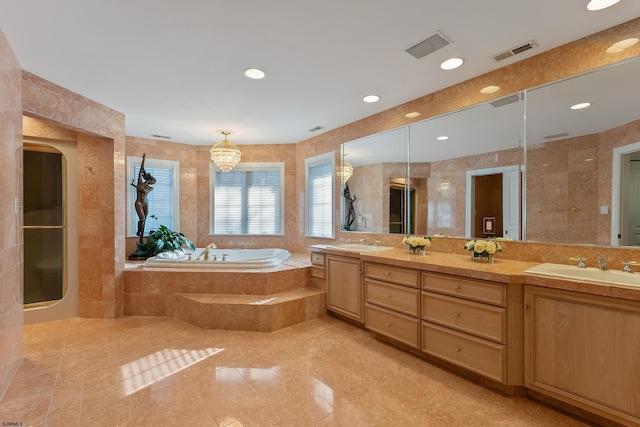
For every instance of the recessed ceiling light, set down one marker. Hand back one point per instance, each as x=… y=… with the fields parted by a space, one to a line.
x=371 y=98
x=442 y=138
x=601 y=4
x=451 y=63
x=254 y=73
x=490 y=89
x=412 y=115
x=581 y=105
x=622 y=45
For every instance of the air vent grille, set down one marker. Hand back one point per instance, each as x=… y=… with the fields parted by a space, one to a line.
x=160 y=136
x=556 y=136
x=315 y=129
x=428 y=45
x=515 y=51
x=505 y=101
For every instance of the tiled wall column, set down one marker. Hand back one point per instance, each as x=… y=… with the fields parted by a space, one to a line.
x=10 y=214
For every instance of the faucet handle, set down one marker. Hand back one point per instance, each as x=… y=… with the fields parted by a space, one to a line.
x=627 y=266
x=581 y=261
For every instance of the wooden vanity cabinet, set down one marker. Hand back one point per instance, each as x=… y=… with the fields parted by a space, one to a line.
x=584 y=350
x=344 y=287
x=474 y=324
x=392 y=302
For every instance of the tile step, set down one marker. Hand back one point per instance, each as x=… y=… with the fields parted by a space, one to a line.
x=252 y=312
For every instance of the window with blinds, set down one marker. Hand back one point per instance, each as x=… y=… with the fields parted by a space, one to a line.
x=319 y=201
x=248 y=200
x=163 y=200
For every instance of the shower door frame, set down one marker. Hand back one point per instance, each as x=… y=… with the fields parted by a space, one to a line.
x=67 y=306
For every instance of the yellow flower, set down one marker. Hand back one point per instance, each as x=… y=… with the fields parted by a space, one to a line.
x=491 y=247
x=480 y=246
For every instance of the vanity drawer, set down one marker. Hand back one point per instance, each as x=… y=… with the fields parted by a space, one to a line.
x=317 y=272
x=317 y=258
x=401 y=328
x=479 y=290
x=395 y=297
x=484 y=320
x=484 y=357
x=399 y=275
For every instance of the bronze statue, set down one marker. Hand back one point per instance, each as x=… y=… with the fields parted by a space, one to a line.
x=350 y=215
x=143 y=187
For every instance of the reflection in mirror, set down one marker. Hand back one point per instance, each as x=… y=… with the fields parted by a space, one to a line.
x=376 y=190
x=574 y=157
x=470 y=160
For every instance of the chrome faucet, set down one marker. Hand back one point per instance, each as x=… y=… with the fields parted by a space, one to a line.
x=365 y=242
x=602 y=265
x=627 y=266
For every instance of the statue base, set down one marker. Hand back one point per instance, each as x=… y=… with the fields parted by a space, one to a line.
x=140 y=253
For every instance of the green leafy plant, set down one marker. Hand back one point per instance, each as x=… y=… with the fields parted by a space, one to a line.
x=163 y=239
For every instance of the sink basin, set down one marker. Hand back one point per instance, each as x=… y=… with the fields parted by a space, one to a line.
x=358 y=247
x=589 y=274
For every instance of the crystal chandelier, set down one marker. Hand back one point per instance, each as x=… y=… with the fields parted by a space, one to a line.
x=345 y=171
x=225 y=154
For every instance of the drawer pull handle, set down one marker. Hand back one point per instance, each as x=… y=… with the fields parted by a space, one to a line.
x=457 y=349
x=388 y=273
x=456 y=314
x=456 y=287
x=388 y=324
x=388 y=296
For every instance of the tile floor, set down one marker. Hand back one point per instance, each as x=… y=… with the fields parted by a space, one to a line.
x=142 y=371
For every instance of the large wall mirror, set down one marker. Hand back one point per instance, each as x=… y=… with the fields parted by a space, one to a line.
x=579 y=170
x=373 y=196
x=455 y=175
x=573 y=193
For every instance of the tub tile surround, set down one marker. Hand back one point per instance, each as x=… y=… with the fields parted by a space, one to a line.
x=244 y=299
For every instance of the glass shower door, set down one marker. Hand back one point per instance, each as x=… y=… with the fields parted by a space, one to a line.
x=44 y=226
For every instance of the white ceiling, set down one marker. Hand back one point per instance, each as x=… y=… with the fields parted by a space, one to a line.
x=174 y=68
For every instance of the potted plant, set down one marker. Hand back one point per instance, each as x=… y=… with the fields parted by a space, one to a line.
x=163 y=239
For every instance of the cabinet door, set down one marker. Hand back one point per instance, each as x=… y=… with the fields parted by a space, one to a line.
x=344 y=288
x=585 y=350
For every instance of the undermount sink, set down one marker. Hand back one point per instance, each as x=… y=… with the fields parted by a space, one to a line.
x=589 y=274
x=359 y=247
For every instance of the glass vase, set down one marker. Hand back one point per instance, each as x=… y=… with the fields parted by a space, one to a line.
x=476 y=257
x=417 y=250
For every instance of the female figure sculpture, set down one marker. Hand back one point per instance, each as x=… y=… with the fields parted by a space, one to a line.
x=143 y=187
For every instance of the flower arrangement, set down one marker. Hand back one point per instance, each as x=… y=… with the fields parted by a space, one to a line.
x=416 y=243
x=483 y=249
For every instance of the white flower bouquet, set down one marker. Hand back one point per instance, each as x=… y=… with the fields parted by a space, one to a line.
x=483 y=249
x=416 y=243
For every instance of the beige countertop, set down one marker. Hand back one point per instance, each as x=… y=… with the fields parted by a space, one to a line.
x=501 y=271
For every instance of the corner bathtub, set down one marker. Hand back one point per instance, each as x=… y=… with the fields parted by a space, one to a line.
x=233 y=258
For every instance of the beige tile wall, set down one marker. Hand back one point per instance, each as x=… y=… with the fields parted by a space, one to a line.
x=99 y=132
x=10 y=221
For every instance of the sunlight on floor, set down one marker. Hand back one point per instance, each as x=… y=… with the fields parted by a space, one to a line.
x=147 y=370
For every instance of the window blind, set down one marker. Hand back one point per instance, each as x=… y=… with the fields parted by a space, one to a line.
x=320 y=200
x=160 y=199
x=247 y=201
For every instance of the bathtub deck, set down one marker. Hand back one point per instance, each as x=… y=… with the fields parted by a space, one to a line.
x=253 y=300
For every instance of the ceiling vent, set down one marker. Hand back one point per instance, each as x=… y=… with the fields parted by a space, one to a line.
x=160 y=136
x=505 y=101
x=429 y=45
x=556 y=136
x=316 y=129
x=515 y=51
